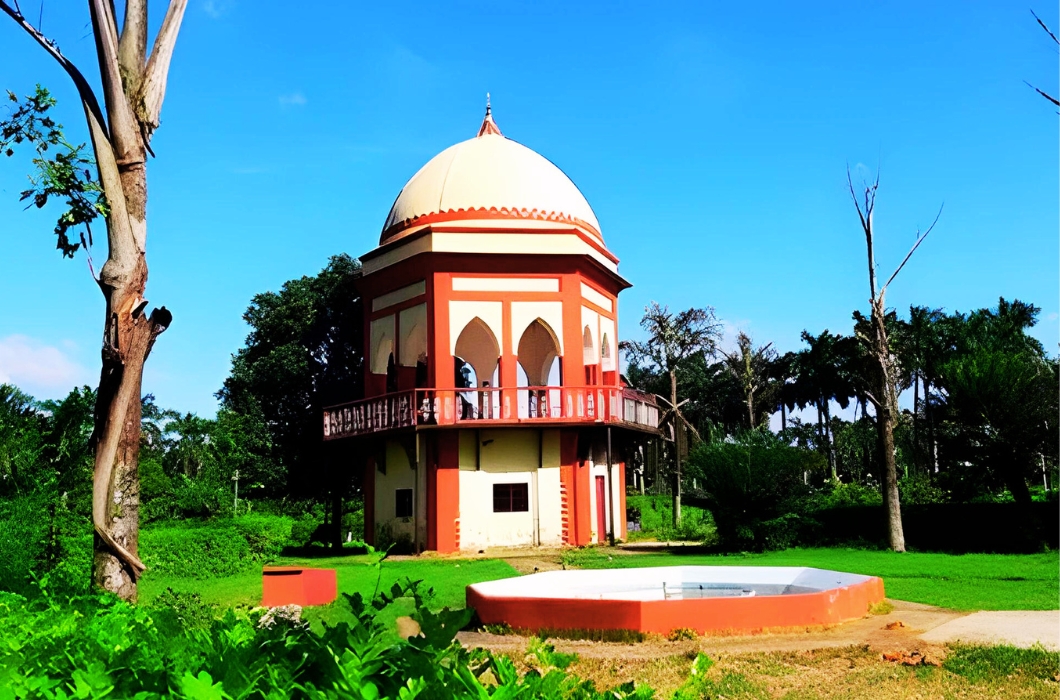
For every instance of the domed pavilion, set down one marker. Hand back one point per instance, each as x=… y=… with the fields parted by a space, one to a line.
x=493 y=406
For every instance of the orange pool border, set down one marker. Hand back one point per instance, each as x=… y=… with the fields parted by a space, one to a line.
x=829 y=606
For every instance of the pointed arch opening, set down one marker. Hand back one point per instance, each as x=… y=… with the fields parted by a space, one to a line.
x=539 y=367
x=589 y=356
x=476 y=363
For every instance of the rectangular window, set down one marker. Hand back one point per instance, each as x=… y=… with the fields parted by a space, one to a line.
x=510 y=498
x=403 y=506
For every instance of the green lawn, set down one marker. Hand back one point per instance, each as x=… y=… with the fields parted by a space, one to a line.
x=960 y=582
x=447 y=577
x=957 y=581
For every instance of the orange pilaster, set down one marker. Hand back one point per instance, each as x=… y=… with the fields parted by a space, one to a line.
x=577 y=485
x=443 y=485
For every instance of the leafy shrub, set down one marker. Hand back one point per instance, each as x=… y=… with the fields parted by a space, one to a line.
x=101 y=647
x=215 y=548
x=41 y=536
x=749 y=486
x=841 y=495
x=186 y=609
x=656 y=520
x=302 y=530
x=917 y=489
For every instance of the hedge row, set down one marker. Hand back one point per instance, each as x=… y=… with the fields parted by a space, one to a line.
x=948 y=527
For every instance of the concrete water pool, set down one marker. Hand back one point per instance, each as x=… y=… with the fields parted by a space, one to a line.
x=660 y=599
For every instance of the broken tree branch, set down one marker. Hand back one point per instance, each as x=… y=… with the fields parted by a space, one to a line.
x=920 y=239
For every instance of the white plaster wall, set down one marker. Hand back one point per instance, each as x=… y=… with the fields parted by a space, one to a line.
x=412 y=324
x=381 y=334
x=607 y=331
x=505 y=284
x=601 y=300
x=510 y=456
x=525 y=312
x=461 y=312
x=591 y=319
x=399 y=295
x=399 y=475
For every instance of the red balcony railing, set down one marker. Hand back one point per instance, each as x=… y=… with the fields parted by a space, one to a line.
x=491 y=406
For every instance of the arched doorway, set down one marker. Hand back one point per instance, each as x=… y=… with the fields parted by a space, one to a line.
x=476 y=364
x=539 y=367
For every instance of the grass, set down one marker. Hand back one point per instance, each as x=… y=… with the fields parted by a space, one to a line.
x=852 y=672
x=956 y=581
x=448 y=578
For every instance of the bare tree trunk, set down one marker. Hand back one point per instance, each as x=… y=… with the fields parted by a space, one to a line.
x=884 y=398
x=133 y=86
x=885 y=417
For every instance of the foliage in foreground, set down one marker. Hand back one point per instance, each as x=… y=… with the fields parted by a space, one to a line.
x=99 y=646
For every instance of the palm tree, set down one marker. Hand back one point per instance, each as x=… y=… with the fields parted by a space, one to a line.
x=752 y=368
x=672 y=340
x=822 y=376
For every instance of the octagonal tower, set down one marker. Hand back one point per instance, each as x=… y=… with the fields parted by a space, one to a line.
x=491 y=360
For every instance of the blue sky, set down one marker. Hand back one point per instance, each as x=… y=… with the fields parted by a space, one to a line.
x=711 y=140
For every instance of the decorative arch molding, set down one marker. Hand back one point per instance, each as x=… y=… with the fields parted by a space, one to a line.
x=477 y=345
x=537 y=350
x=381 y=340
x=491 y=313
x=526 y=312
x=609 y=362
x=588 y=346
x=412 y=324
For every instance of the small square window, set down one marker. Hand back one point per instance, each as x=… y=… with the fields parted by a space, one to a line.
x=510 y=498
x=403 y=505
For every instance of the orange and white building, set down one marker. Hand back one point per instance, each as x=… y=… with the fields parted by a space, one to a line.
x=493 y=404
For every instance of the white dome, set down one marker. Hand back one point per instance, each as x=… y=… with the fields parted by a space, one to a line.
x=488 y=178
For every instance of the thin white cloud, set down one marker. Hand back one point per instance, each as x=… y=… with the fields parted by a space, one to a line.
x=293 y=99
x=216 y=9
x=31 y=364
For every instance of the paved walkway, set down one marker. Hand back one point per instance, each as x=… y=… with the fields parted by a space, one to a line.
x=1019 y=628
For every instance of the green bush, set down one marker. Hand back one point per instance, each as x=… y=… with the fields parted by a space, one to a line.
x=213 y=548
x=752 y=487
x=840 y=495
x=41 y=536
x=655 y=514
x=93 y=647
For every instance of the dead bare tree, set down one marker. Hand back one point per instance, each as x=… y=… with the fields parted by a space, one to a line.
x=883 y=394
x=1056 y=102
x=133 y=84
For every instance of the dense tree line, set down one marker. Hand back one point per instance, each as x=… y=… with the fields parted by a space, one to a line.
x=981 y=423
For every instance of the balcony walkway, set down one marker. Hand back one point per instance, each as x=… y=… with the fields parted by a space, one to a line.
x=493 y=407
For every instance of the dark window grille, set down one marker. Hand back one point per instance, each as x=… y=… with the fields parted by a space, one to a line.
x=403 y=505
x=511 y=498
